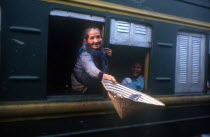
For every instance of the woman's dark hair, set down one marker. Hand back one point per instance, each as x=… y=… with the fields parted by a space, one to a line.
x=85 y=33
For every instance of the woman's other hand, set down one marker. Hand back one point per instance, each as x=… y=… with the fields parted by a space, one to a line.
x=108 y=52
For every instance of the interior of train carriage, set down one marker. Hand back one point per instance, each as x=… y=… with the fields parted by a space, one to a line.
x=65 y=39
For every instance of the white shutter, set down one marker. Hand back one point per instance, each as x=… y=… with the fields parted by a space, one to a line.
x=130 y=34
x=140 y=36
x=120 y=32
x=140 y=29
x=190 y=63
x=123 y=27
x=196 y=59
x=183 y=58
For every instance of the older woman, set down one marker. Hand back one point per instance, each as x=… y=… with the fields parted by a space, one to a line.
x=91 y=66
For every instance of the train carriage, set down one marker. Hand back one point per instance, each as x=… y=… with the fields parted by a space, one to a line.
x=39 y=46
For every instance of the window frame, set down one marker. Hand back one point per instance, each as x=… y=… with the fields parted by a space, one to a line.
x=148 y=45
x=87 y=17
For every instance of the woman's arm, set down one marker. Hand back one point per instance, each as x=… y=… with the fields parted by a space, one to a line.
x=89 y=65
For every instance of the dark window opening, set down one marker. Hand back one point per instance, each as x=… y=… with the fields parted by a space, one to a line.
x=65 y=39
x=124 y=58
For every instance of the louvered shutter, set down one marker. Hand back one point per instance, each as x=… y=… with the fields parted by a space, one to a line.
x=182 y=63
x=197 y=65
x=130 y=34
x=120 y=33
x=189 y=63
x=196 y=59
x=141 y=35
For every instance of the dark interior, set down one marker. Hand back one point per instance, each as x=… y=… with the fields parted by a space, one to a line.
x=123 y=59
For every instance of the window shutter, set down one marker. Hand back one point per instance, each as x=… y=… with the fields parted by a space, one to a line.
x=141 y=35
x=120 y=32
x=123 y=27
x=183 y=43
x=190 y=63
x=130 y=34
x=196 y=54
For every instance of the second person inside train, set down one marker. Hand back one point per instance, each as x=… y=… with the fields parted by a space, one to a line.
x=91 y=66
x=136 y=78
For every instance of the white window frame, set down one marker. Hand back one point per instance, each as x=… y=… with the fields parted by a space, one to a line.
x=76 y=15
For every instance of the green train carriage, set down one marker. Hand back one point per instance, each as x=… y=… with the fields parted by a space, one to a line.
x=40 y=42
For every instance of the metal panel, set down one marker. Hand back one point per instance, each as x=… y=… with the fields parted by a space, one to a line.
x=123 y=27
x=130 y=34
x=189 y=63
x=141 y=35
x=120 y=32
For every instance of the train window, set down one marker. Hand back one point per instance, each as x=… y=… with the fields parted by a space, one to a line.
x=124 y=60
x=190 y=63
x=131 y=45
x=65 y=39
x=130 y=34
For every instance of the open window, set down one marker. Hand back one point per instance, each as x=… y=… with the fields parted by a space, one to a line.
x=65 y=39
x=131 y=43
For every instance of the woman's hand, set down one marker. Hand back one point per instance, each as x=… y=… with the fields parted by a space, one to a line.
x=108 y=52
x=109 y=77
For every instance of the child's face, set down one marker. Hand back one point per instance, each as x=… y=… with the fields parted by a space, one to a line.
x=136 y=69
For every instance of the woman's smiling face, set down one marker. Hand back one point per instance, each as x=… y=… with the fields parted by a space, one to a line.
x=94 y=38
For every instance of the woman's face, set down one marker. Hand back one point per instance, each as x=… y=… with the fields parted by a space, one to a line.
x=136 y=69
x=94 y=38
